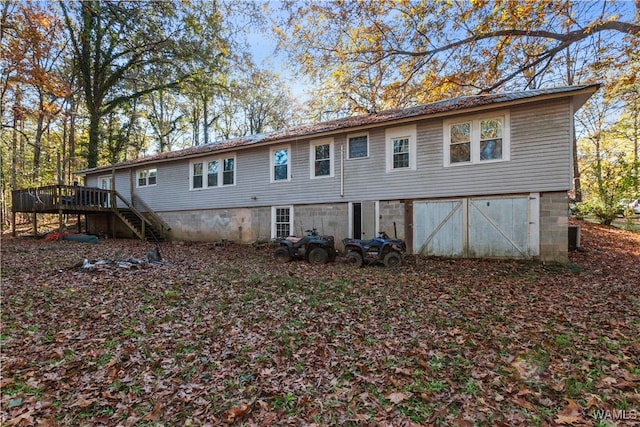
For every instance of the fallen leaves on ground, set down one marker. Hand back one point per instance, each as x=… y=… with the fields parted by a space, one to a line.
x=224 y=335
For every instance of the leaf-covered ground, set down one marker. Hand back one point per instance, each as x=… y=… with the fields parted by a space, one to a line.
x=226 y=335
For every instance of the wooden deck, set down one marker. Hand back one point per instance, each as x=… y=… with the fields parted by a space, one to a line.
x=75 y=199
x=63 y=199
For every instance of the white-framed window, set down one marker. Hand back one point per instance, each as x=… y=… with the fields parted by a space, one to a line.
x=281 y=221
x=358 y=146
x=147 y=177
x=208 y=173
x=401 y=148
x=321 y=158
x=281 y=163
x=477 y=139
x=229 y=171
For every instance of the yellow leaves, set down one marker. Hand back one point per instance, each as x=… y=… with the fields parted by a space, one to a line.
x=479 y=4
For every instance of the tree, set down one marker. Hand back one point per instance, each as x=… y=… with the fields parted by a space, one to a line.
x=423 y=51
x=607 y=157
x=371 y=56
x=255 y=101
x=266 y=103
x=114 y=42
x=165 y=118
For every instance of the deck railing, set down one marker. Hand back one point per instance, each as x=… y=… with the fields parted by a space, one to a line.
x=54 y=198
x=78 y=199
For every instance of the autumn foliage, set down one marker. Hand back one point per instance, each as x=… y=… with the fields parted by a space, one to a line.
x=224 y=335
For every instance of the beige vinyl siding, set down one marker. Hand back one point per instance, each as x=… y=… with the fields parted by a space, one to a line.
x=539 y=162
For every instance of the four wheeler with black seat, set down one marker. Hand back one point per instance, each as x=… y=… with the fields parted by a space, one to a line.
x=312 y=247
x=380 y=249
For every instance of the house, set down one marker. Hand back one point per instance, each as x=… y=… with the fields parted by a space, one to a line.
x=475 y=176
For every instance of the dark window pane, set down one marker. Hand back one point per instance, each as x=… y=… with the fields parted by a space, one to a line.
x=358 y=147
x=401 y=145
x=323 y=168
x=491 y=149
x=197 y=181
x=227 y=178
x=282 y=230
x=227 y=175
x=460 y=153
x=323 y=151
x=212 y=173
x=280 y=172
x=401 y=160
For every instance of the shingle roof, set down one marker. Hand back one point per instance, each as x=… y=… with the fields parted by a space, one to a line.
x=435 y=108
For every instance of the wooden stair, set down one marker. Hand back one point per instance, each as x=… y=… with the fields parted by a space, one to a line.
x=147 y=225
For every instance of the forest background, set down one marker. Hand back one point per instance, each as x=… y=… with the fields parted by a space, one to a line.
x=91 y=83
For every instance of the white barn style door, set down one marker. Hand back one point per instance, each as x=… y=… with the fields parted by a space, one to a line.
x=493 y=227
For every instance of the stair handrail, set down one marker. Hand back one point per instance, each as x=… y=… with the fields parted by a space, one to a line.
x=153 y=215
x=131 y=207
x=164 y=227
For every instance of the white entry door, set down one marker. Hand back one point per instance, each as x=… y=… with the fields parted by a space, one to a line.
x=104 y=182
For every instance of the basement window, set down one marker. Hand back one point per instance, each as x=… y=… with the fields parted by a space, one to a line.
x=281 y=221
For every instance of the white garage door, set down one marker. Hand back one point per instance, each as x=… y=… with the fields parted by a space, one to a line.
x=502 y=227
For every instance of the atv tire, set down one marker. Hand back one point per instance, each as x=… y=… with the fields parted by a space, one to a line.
x=318 y=256
x=282 y=255
x=355 y=258
x=392 y=260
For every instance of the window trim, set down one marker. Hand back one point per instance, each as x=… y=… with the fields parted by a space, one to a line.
x=222 y=171
x=474 y=145
x=356 y=135
x=272 y=172
x=274 y=227
x=411 y=133
x=147 y=172
x=205 y=172
x=312 y=158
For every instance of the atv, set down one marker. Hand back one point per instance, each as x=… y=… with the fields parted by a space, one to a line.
x=313 y=247
x=380 y=249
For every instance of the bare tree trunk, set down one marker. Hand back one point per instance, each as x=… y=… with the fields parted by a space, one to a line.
x=37 y=143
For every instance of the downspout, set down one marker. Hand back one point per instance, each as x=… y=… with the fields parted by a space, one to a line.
x=342 y=170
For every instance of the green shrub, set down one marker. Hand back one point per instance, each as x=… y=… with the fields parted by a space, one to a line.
x=605 y=214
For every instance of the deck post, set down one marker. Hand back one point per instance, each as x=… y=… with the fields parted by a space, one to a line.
x=35 y=224
x=60 y=224
x=13 y=222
